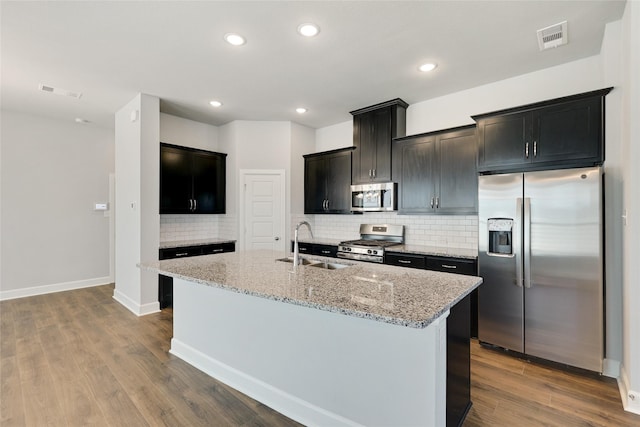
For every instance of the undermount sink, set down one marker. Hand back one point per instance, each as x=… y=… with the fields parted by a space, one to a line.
x=303 y=261
x=328 y=265
x=317 y=264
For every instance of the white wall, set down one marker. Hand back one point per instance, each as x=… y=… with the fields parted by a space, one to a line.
x=631 y=154
x=52 y=174
x=137 y=201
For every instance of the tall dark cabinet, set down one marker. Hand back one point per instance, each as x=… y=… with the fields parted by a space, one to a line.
x=436 y=172
x=327 y=177
x=563 y=132
x=373 y=129
x=191 y=181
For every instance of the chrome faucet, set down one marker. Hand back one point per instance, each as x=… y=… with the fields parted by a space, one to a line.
x=296 y=249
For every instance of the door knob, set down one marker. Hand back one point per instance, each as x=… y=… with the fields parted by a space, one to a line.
x=277 y=238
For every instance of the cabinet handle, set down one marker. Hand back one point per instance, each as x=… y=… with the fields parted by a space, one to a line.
x=326 y=252
x=195 y=204
x=374 y=173
x=437 y=202
x=535 y=148
x=452 y=267
x=182 y=254
x=432 y=203
x=327 y=204
x=370 y=173
x=526 y=150
x=217 y=250
x=190 y=204
x=402 y=261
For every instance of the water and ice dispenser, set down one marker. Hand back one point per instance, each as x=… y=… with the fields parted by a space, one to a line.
x=500 y=236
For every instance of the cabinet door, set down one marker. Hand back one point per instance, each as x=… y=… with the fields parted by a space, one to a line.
x=338 y=181
x=502 y=141
x=569 y=131
x=364 y=156
x=458 y=178
x=175 y=181
x=208 y=182
x=415 y=163
x=314 y=185
x=381 y=124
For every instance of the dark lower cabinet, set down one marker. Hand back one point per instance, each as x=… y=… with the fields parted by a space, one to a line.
x=458 y=362
x=461 y=323
x=165 y=283
x=316 y=249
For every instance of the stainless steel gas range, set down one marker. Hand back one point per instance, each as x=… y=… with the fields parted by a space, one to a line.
x=374 y=238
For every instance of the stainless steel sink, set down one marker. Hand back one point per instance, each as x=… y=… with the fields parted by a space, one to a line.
x=328 y=265
x=303 y=261
x=317 y=264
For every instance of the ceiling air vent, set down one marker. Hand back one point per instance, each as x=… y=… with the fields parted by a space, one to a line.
x=553 y=36
x=58 y=91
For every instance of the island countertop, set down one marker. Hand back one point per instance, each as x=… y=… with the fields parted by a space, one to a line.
x=396 y=295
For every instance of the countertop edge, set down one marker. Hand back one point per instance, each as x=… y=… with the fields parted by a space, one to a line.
x=353 y=313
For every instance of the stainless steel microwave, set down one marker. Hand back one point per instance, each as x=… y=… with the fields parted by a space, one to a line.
x=373 y=197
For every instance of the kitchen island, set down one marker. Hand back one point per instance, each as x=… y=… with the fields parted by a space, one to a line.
x=359 y=345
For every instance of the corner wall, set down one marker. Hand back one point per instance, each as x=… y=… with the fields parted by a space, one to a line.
x=137 y=200
x=52 y=173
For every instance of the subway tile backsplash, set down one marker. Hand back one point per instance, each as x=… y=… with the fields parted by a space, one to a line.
x=450 y=231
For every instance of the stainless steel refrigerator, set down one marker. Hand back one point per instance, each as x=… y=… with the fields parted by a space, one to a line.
x=541 y=257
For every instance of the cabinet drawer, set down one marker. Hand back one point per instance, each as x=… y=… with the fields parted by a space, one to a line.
x=405 y=260
x=452 y=265
x=304 y=248
x=325 y=250
x=183 y=252
x=218 y=248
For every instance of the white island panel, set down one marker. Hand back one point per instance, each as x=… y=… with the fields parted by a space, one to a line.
x=316 y=367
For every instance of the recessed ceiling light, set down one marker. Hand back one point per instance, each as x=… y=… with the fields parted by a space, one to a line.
x=308 y=30
x=301 y=110
x=216 y=104
x=425 y=68
x=234 y=39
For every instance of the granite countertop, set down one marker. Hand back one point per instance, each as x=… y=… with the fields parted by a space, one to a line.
x=435 y=250
x=199 y=242
x=414 y=249
x=396 y=295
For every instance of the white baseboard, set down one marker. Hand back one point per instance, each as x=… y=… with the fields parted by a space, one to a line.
x=133 y=306
x=630 y=398
x=285 y=403
x=58 y=287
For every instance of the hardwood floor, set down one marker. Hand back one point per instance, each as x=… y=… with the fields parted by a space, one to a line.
x=80 y=358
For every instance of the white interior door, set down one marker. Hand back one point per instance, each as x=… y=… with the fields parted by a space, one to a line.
x=263 y=210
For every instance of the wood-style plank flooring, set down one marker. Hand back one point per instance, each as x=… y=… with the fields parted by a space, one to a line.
x=79 y=358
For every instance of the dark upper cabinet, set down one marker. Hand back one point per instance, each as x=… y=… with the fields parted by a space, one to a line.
x=564 y=132
x=191 y=181
x=436 y=172
x=373 y=130
x=327 y=177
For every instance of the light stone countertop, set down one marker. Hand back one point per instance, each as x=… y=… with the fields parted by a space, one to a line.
x=414 y=249
x=396 y=295
x=199 y=242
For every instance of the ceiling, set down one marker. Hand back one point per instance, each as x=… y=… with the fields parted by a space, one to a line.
x=366 y=52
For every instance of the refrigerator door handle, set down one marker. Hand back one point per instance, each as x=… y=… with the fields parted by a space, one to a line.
x=527 y=242
x=517 y=241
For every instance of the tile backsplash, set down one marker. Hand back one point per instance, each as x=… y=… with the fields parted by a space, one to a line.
x=451 y=231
